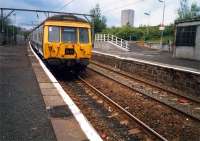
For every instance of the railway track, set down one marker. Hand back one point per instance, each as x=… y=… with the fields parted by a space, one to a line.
x=129 y=113
x=123 y=110
x=146 y=133
x=185 y=105
x=147 y=82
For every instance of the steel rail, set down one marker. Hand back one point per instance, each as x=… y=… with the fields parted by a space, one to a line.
x=168 y=105
x=147 y=83
x=125 y=111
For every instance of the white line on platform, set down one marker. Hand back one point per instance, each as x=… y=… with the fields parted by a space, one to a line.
x=184 y=69
x=85 y=125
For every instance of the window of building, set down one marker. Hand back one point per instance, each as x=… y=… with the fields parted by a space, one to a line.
x=83 y=35
x=54 y=34
x=186 y=36
x=69 y=34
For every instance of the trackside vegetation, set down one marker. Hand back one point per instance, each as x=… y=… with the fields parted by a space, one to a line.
x=151 y=33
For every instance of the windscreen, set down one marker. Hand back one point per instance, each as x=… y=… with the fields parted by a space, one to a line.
x=84 y=35
x=54 y=34
x=69 y=34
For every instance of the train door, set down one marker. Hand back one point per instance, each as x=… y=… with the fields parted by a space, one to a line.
x=85 y=42
x=52 y=42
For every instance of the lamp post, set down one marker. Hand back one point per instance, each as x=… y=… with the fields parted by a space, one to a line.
x=162 y=24
x=148 y=14
x=14 y=27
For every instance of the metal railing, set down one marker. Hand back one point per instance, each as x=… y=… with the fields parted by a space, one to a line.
x=121 y=43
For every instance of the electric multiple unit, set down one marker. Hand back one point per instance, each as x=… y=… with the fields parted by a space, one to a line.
x=64 y=38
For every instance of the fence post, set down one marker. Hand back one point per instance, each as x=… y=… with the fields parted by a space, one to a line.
x=112 y=39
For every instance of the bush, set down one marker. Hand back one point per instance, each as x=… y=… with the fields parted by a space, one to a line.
x=140 y=33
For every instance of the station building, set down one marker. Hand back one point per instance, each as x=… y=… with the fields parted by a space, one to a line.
x=187 y=39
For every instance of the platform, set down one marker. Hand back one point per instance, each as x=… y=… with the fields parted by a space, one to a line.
x=178 y=75
x=149 y=55
x=23 y=113
x=31 y=107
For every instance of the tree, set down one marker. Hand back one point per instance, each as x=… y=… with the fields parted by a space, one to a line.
x=98 y=20
x=188 y=11
x=195 y=10
x=139 y=33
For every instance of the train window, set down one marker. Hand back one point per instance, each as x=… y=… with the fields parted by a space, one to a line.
x=69 y=34
x=54 y=34
x=83 y=35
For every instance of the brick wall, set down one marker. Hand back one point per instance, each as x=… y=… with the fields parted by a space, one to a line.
x=181 y=80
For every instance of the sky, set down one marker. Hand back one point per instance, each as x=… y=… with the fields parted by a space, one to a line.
x=109 y=8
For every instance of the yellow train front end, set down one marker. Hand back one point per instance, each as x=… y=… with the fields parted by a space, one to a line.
x=69 y=42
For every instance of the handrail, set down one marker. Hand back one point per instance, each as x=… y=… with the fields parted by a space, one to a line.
x=112 y=39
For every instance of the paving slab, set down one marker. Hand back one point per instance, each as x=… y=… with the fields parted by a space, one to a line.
x=70 y=126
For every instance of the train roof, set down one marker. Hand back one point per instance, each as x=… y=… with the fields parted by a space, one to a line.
x=66 y=18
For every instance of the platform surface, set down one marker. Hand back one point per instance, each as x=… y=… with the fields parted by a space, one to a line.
x=23 y=115
x=65 y=125
x=148 y=54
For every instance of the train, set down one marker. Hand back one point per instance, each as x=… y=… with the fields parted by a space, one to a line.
x=64 y=39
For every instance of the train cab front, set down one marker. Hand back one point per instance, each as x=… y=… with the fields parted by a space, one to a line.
x=69 y=45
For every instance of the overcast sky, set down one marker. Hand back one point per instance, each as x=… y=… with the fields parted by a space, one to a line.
x=110 y=8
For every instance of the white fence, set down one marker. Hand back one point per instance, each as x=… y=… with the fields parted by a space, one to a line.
x=113 y=40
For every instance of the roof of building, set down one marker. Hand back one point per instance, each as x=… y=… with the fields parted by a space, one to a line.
x=194 y=19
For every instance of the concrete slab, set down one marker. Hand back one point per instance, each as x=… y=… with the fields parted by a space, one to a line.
x=49 y=92
x=46 y=85
x=66 y=130
x=40 y=74
x=53 y=100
